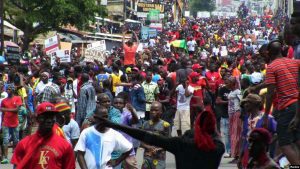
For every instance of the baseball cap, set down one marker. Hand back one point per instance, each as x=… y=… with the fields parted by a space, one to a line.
x=194 y=74
x=128 y=70
x=196 y=66
x=60 y=107
x=45 y=107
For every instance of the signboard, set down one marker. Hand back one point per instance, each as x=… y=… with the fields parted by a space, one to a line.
x=153 y=15
x=145 y=14
x=96 y=53
x=145 y=33
x=203 y=14
x=157 y=26
x=51 y=45
x=187 y=13
x=12 y=55
x=97 y=44
x=152 y=33
x=146 y=7
x=63 y=55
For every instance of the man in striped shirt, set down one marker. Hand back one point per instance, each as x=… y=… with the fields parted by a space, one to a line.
x=282 y=77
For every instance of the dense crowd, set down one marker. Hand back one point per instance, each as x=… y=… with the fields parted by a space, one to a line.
x=227 y=86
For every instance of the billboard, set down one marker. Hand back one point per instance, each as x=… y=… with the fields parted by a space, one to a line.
x=146 y=7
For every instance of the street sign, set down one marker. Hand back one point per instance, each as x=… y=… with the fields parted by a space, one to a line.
x=12 y=55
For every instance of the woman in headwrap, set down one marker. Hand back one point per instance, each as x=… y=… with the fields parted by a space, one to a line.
x=198 y=148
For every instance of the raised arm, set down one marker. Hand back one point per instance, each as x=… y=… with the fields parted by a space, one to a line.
x=123 y=39
x=137 y=38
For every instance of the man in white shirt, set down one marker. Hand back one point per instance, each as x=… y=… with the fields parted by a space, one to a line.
x=191 y=44
x=42 y=85
x=182 y=120
x=97 y=142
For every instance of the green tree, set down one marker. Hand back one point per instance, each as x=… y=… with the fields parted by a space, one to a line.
x=201 y=5
x=35 y=17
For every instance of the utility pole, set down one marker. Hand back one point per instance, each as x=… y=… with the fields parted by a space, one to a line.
x=2 y=26
x=124 y=10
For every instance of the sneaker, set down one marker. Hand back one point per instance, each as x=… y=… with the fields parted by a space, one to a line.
x=226 y=155
x=5 y=161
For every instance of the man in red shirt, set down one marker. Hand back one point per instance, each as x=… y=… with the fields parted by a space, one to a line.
x=44 y=149
x=10 y=107
x=130 y=50
x=282 y=76
x=213 y=78
x=196 y=104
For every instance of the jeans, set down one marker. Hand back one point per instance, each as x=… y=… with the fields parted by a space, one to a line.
x=225 y=133
x=10 y=131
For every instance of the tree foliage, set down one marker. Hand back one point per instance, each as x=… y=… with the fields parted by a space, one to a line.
x=35 y=17
x=201 y=5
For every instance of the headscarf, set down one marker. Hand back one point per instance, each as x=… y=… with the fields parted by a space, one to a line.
x=205 y=126
x=47 y=74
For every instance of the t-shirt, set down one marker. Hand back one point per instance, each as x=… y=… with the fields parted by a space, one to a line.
x=101 y=77
x=40 y=87
x=150 y=89
x=213 y=78
x=191 y=45
x=159 y=128
x=198 y=92
x=58 y=131
x=22 y=92
x=54 y=153
x=71 y=130
x=116 y=79
x=99 y=146
x=10 y=119
x=223 y=93
x=129 y=57
x=283 y=73
x=183 y=102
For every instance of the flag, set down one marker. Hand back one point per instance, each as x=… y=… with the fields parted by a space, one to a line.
x=179 y=44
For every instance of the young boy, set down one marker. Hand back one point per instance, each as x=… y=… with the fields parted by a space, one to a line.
x=129 y=118
x=96 y=144
x=154 y=157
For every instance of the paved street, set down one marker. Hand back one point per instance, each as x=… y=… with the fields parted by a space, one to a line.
x=170 y=162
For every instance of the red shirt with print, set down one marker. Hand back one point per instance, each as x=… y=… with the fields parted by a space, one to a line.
x=53 y=153
x=198 y=92
x=10 y=119
x=213 y=78
x=129 y=57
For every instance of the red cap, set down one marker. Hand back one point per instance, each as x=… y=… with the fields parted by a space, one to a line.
x=194 y=74
x=197 y=66
x=45 y=107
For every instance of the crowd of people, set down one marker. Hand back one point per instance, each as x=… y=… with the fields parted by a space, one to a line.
x=232 y=91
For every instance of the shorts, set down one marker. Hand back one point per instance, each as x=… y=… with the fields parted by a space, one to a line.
x=283 y=118
x=182 y=120
x=10 y=131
